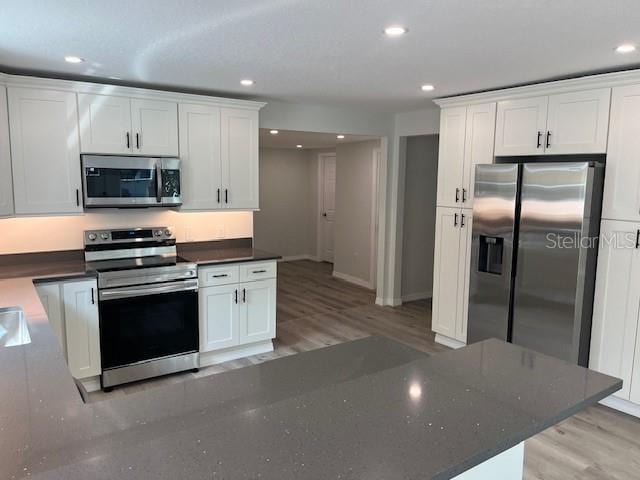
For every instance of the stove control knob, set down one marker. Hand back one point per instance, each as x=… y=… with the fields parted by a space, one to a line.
x=104 y=236
x=158 y=233
x=167 y=232
x=92 y=236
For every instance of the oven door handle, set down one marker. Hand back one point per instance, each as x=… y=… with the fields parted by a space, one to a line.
x=145 y=290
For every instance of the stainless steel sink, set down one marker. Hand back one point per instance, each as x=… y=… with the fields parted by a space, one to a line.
x=13 y=327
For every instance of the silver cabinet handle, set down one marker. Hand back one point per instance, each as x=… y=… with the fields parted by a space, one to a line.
x=138 y=141
x=244 y=295
x=538 y=144
x=457 y=195
x=464 y=195
x=461 y=220
x=236 y=296
x=548 y=139
x=455 y=219
x=222 y=275
x=259 y=271
x=128 y=141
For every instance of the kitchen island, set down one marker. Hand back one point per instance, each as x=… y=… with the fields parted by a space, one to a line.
x=372 y=408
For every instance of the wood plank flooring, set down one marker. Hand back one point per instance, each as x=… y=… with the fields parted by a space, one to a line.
x=316 y=310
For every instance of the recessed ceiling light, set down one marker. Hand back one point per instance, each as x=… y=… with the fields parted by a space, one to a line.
x=274 y=132
x=298 y=146
x=427 y=88
x=247 y=82
x=340 y=137
x=395 y=31
x=626 y=48
x=73 y=59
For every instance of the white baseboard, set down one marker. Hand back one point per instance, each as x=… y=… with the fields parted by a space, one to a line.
x=293 y=258
x=412 y=297
x=449 y=342
x=622 y=405
x=388 y=302
x=233 y=353
x=351 y=279
x=91 y=384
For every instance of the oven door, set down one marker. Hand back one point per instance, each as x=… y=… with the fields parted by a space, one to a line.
x=147 y=322
x=111 y=181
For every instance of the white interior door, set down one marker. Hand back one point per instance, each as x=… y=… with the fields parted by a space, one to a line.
x=327 y=205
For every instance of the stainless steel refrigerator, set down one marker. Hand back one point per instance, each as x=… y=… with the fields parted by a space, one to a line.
x=533 y=255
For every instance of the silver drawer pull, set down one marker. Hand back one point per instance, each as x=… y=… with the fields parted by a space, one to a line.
x=222 y=275
x=259 y=271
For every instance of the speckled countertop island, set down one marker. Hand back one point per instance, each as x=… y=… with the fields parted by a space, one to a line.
x=361 y=410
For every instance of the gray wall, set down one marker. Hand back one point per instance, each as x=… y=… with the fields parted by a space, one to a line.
x=354 y=204
x=285 y=223
x=418 y=239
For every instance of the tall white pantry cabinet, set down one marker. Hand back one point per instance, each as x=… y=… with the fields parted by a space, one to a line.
x=591 y=115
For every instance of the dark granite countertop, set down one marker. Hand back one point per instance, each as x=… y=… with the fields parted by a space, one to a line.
x=210 y=256
x=365 y=409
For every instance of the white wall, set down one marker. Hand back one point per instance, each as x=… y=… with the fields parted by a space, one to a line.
x=419 y=122
x=354 y=204
x=418 y=239
x=285 y=223
x=39 y=234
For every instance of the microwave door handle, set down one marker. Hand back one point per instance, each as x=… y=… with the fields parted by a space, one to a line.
x=159 y=181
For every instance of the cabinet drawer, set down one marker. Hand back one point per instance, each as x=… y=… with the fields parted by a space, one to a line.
x=257 y=271
x=222 y=275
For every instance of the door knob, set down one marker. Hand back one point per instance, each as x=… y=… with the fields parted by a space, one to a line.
x=324 y=214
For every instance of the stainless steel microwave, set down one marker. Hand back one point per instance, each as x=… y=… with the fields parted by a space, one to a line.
x=121 y=182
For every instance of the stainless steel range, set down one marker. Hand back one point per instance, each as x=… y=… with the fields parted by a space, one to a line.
x=148 y=303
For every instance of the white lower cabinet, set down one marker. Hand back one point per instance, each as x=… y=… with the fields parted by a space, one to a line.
x=219 y=317
x=234 y=313
x=451 y=272
x=72 y=309
x=258 y=311
x=614 y=338
x=82 y=328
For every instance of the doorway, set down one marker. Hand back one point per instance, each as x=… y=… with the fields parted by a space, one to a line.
x=326 y=205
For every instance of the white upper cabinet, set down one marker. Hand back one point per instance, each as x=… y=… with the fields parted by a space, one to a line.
x=120 y=125
x=578 y=122
x=44 y=151
x=6 y=185
x=105 y=124
x=478 y=149
x=239 y=150
x=566 y=123
x=616 y=303
x=521 y=126
x=621 y=198
x=155 y=127
x=200 y=154
x=451 y=156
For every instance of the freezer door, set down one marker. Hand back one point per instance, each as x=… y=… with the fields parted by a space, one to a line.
x=494 y=210
x=552 y=292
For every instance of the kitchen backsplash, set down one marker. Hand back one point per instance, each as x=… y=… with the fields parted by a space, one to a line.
x=41 y=234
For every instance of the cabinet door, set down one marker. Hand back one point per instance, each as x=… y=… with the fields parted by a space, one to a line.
x=155 y=127
x=258 y=312
x=464 y=269
x=219 y=317
x=44 y=151
x=446 y=272
x=621 y=198
x=200 y=154
x=239 y=132
x=520 y=126
x=451 y=156
x=578 y=122
x=616 y=301
x=51 y=298
x=479 y=140
x=83 y=334
x=105 y=124
x=6 y=185
x=634 y=394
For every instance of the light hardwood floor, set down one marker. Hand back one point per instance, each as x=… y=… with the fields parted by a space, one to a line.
x=316 y=310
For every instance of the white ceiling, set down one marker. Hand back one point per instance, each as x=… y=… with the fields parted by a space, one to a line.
x=291 y=138
x=328 y=51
